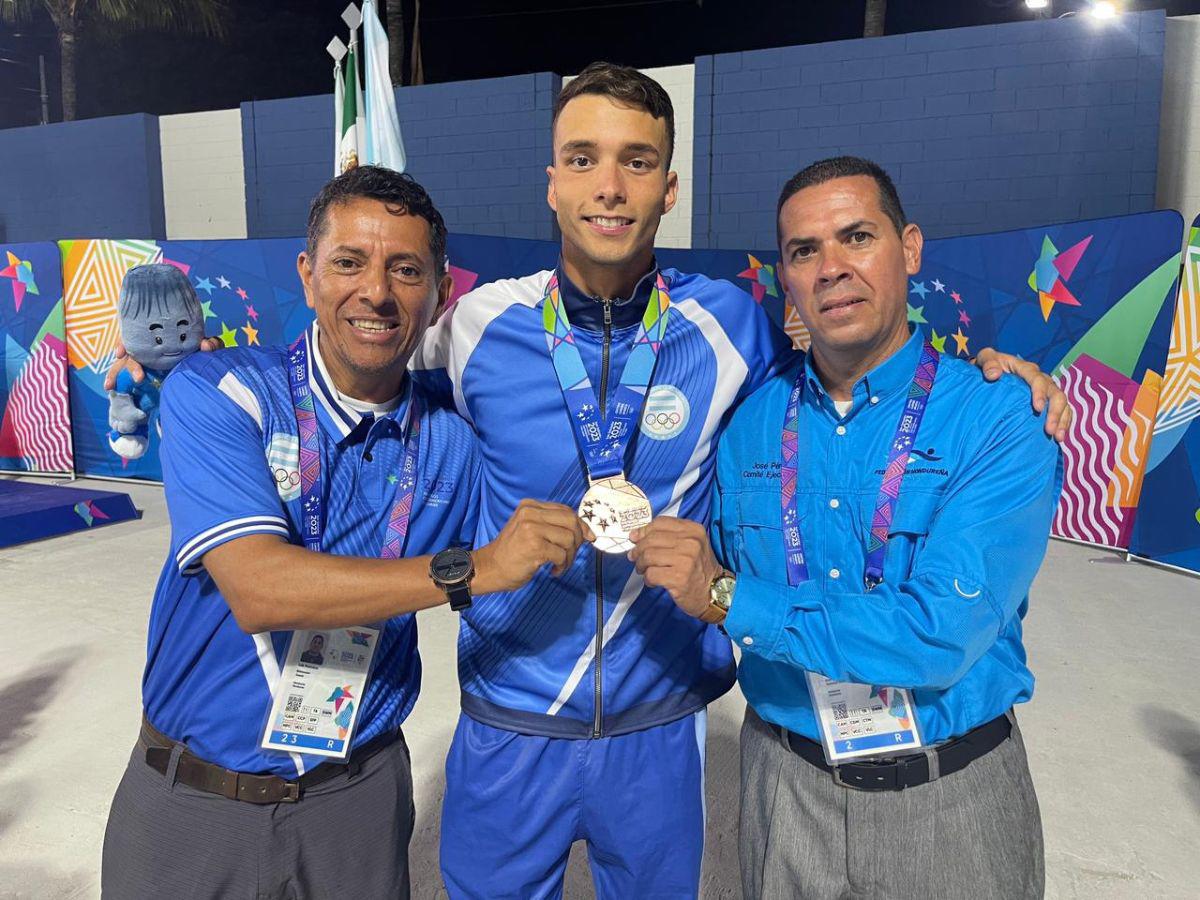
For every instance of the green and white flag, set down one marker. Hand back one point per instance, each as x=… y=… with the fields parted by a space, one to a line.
x=350 y=115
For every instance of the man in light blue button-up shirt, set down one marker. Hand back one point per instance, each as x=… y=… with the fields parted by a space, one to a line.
x=962 y=544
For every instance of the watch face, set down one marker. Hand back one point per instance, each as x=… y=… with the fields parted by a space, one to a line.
x=722 y=591
x=451 y=565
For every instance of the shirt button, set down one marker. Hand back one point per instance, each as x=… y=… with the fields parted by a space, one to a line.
x=834 y=503
x=747 y=640
x=834 y=573
x=841 y=429
x=874 y=399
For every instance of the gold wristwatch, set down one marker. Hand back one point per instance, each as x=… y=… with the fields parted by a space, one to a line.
x=720 y=596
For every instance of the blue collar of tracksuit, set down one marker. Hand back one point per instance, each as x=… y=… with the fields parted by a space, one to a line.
x=587 y=312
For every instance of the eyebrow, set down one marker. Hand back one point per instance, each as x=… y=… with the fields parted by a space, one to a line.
x=639 y=147
x=844 y=231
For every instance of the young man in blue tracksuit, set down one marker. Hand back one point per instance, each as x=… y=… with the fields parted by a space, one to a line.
x=584 y=696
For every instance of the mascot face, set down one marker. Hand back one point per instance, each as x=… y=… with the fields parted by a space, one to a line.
x=161 y=317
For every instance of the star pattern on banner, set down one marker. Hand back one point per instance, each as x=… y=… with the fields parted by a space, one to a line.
x=956 y=297
x=918 y=288
x=241 y=292
x=762 y=277
x=938 y=341
x=960 y=341
x=938 y=286
x=206 y=306
x=964 y=318
x=251 y=312
x=223 y=282
x=1052 y=271
x=203 y=284
x=251 y=334
x=916 y=315
x=228 y=336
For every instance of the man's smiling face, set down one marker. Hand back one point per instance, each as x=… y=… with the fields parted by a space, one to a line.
x=375 y=287
x=609 y=184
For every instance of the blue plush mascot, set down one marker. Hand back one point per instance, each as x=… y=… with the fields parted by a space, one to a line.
x=161 y=322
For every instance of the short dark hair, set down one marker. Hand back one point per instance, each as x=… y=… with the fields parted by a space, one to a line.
x=625 y=85
x=844 y=167
x=400 y=193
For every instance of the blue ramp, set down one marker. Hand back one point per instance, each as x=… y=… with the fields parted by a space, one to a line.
x=30 y=512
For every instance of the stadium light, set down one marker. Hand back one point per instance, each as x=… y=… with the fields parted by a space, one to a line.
x=1037 y=4
x=1104 y=9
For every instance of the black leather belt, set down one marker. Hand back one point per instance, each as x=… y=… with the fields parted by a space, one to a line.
x=898 y=773
x=246 y=786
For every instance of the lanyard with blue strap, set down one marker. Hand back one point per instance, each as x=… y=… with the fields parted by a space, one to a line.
x=302 y=717
x=859 y=720
x=612 y=506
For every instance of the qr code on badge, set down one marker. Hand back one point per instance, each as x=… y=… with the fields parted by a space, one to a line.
x=839 y=712
x=293 y=703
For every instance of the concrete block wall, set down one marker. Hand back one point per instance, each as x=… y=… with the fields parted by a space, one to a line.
x=1179 y=128
x=983 y=129
x=675 y=229
x=91 y=178
x=204 y=192
x=479 y=147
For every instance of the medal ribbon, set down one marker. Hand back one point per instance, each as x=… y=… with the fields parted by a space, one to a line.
x=603 y=439
x=312 y=504
x=889 y=490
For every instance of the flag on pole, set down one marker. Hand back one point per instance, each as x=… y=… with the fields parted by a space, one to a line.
x=337 y=50
x=383 y=145
x=350 y=121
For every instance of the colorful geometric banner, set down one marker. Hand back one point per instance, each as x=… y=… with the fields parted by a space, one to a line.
x=35 y=434
x=1167 y=529
x=1091 y=302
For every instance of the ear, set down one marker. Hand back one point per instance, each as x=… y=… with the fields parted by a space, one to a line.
x=445 y=287
x=304 y=269
x=551 y=192
x=914 y=243
x=672 y=192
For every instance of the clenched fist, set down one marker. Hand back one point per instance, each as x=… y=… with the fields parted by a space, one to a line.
x=675 y=554
x=537 y=534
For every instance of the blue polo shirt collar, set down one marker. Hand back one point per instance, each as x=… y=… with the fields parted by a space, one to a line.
x=344 y=419
x=893 y=374
x=587 y=312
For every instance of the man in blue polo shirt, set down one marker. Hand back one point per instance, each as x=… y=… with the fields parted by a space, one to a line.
x=882 y=513
x=602 y=385
x=305 y=488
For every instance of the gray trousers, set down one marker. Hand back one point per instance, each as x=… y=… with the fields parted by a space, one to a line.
x=976 y=833
x=346 y=837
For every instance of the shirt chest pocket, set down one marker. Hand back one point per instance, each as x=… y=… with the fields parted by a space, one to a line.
x=758 y=539
x=908 y=532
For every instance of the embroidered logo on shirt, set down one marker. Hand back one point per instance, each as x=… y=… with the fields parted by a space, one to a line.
x=283 y=457
x=666 y=412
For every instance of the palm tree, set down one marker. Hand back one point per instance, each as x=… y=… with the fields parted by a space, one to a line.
x=395 y=33
x=873 y=22
x=72 y=19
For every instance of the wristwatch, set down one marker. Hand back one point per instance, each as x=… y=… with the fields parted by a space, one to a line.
x=720 y=596
x=452 y=571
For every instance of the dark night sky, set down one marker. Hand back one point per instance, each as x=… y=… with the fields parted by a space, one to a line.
x=276 y=49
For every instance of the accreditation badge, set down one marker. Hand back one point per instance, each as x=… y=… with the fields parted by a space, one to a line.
x=612 y=508
x=862 y=720
x=315 y=706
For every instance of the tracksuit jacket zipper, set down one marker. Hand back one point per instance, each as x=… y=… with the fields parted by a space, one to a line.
x=597 y=729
